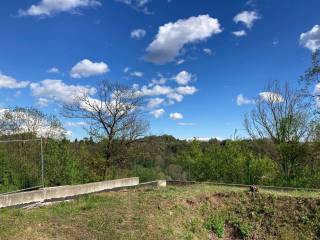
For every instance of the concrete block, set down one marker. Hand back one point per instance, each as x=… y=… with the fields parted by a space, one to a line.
x=162 y=183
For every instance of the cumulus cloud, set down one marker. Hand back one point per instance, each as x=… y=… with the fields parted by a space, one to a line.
x=247 y=18
x=187 y=90
x=138 y=33
x=183 y=77
x=138 y=5
x=136 y=74
x=171 y=93
x=155 y=90
x=271 y=97
x=158 y=112
x=160 y=81
x=176 y=116
x=11 y=83
x=172 y=37
x=207 y=51
x=56 y=90
x=175 y=96
x=155 y=102
x=53 y=70
x=242 y=100
x=311 y=39
x=240 y=33
x=86 y=68
x=50 y=7
x=42 y=102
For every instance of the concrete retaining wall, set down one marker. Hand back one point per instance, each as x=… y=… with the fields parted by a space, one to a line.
x=53 y=193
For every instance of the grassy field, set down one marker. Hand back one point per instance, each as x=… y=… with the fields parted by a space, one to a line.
x=192 y=212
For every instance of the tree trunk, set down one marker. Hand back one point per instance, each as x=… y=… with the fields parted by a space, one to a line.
x=108 y=158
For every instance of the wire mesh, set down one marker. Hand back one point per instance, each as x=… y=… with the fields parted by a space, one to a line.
x=21 y=165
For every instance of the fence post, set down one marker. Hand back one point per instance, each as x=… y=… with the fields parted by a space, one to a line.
x=42 y=162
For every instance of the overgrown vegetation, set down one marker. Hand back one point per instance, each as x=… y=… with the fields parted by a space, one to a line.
x=162 y=157
x=193 y=212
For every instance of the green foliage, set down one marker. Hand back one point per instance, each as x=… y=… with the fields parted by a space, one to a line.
x=245 y=230
x=147 y=174
x=163 y=157
x=215 y=223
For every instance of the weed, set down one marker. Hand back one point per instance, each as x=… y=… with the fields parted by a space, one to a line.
x=245 y=230
x=215 y=223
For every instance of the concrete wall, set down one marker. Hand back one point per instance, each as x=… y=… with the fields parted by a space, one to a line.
x=53 y=193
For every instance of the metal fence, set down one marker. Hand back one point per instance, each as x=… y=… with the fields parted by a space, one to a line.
x=21 y=165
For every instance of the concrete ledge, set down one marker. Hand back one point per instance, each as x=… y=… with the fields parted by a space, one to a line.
x=21 y=198
x=62 y=192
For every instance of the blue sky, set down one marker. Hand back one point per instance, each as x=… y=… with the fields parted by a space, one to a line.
x=191 y=59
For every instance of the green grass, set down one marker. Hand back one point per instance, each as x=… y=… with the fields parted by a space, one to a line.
x=192 y=212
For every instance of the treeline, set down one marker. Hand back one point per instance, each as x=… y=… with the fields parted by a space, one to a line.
x=158 y=157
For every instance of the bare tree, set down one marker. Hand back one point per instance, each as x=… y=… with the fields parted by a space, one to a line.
x=311 y=81
x=115 y=115
x=282 y=116
x=30 y=120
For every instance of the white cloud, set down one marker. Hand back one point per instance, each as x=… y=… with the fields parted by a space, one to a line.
x=180 y=61
x=187 y=90
x=76 y=124
x=240 y=33
x=155 y=90
x=203 y=139
x=11 y=83
x=136 y=74
x=241 y=100
x=175 y=96
x=42 y=102
x=186 y=124
x=53 y=70
x=86 y=68
x=161 y=80
x=157 y=113
x=176 y=116
x=49 y=7
x=207 y=51
x=247 y=18
x=126 y=69
x=139 y=5
x=311 y=39
x=271 y=97
x=183 y=77
x=138 y=33
x=56 y=90
x=172 y=93
x=155 y=102
x=172 y=37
